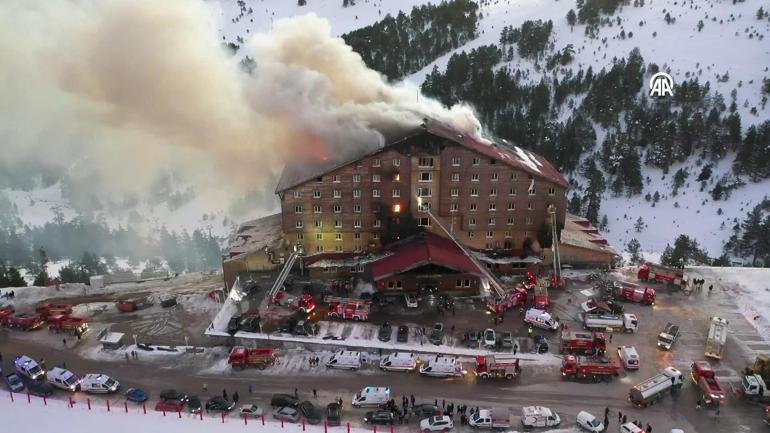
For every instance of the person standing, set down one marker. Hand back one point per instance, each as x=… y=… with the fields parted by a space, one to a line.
x=411 y=400
x=296 y=393
x=315 y=393
x=224 y=393
x=64 y=342
x=620 y=416
x=235 y=397
x=648 y=429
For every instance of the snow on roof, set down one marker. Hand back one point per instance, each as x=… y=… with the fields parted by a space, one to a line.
x=331 y=260
x=112 y=337
x=579 y=232
x=256 y=235
x=501 y=260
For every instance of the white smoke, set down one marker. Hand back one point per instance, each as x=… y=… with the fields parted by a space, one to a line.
x=122 y=91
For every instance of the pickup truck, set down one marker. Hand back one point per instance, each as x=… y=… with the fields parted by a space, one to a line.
x=491 y=419
x=668 y=336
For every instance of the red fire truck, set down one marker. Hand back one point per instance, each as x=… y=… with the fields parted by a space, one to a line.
x=583 y=342
x=634 y=293
x=67 y=324
x=663 y=274
x=350 y=309
x=51 y=309
x=260 y=357
x=710 y=388
x=530 y=281
x=579 y=367
x=514 y=298
x=24 y=321
x=497 y=366
x=305 y=303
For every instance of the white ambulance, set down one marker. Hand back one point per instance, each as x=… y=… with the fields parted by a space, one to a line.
x=399 y=361
x=99 y=384
x=372 y=396
x=629 y=357
x=541 y=319
x=28 y=368
x=442 y=366
x=345 y=360
x=63 y=379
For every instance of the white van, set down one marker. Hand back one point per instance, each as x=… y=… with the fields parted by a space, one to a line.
x=541 y=319
x=345 y=360
x=630 y=427
x=442 y=366
x=63 y=379
x=28 y=368
x=588 y=422
x=371 y=396
x=629 y=357
x=399 y=361
x=99 y=384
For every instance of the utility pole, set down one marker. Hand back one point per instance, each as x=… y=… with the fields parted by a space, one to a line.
x=555 y=243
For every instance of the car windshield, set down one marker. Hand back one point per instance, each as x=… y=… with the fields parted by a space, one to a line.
x=14 y=379
x=665 y=339
x=594 y=422
x=71 y=380
x=34 y=370
x=109 y=383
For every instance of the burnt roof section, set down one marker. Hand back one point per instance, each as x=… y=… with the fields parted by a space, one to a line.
x=500 y=150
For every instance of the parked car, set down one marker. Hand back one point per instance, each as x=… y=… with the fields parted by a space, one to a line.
x=541 y=343
x=310 y=412
x=194 y=404
x=219 y=404
x=333 y=414
x=305 y=327
x=283 y=400
x=234 y=324
x=381 y=417
x=437 y=334
x=136 y=395
x=386 y=331
x=251 y=410
x=506 y=340
x=436 y=423
x=14 y=382
x=288 y=325
x=490 y=340
x=172 y=394
x=471 y=339
x=425 y=410
x=250 y=323
x=588 y=422
x=630 y=427
x=411 y=301
x=39 y=388
x=286 y=414
x=169 y=406
x=403 y=334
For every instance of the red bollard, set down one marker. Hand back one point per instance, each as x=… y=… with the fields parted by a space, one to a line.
x=348 y=427
x=29 y=398
x=303 y=424
x=164 y=412
x=180 y=414
x=375 y=428
x=125 y=404
x=108 y=405
x=223 y=417
x=71 y=403
x=263 y=420
x=88 y=400
x=392 y=429
x=245 y=420
x=11 y=392
x=326 y=427
x=45 y=401
x=281 y=422
x=201 y=414
x=144 y=408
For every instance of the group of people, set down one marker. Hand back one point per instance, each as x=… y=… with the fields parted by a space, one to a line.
x=697 y=284
x=622 y=419
x=134 y=354
x=314 y=361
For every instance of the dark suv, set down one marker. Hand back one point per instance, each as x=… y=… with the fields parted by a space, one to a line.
x=283 y=400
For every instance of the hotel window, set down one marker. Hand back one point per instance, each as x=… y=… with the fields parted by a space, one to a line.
x=375 y=236
x=376 y=162
x=471 y=235
x=423 y=222
x=357 y=208
x=494 y=177
x=338 y=236
x=299 y=224
x=455 y=177
x=514 y=176
x=531 y=191
x=297 y=194
x=455 y=192
x=375 y=193
x=426 y=206
x=491 y=222
x=336 y=178
x=356 y=193
x=396 y=193
x=338 y=248
x=425 y=162
x=357 y=224
x=316 y=194
x=455 y=162
x=318 y=224
x=474 y=192
x=551 y=191
x=396 y=208
x=475 y=177
x=463 y=283
x=492 y=207
x=426 y=176
x=297 y=209
x=337 y=193
x=513 y=191
x=424 y=192
x=473 y=207
x=472 y=221
x=453 y=207
x=319 y=236
x=396 y=162
x=319 y=248
x=358 y=248
x=511 y=206
x=300 y=236
x=490 y=234
x=356 y=178
x=507 y=234
x=530 y=206
x=378 y=223
x=337 y=208
x=357 y=236
x=510 y=221
x=319 y=179
x=375 y=178
x=396 y=177
x=476 y=160
x=493 y=192
x=529 y=221
x=317 y=208
x=338 y=224
x=530 y=177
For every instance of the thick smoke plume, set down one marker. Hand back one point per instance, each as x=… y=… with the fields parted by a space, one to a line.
x=118 y=92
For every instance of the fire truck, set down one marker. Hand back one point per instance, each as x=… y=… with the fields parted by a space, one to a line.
x=24 y=321
x=662 y=274
x=305 y=303
x=717 y=337
x=497 y=366
x=514 y=298
x=530 y=281
x=260 y=357
x=582 y=342
x=710 y=389
x=51 y=309
x=349 y=309
x=67 y=324
x=540 y=298
x=634 y=293
x=580 y=367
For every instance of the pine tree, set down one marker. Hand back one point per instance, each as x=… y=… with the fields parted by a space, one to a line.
x=572 y=18
x=633 y=248
x=760 y=13
x=575 y=205
x=301 y=2
x=41 y=280
x=700 y=25
x=14 y=278
x=639 y=225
